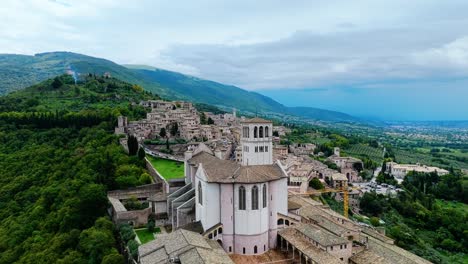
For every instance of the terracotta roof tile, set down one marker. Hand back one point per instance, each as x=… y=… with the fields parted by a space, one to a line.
x=227 y=171
x=257 y=120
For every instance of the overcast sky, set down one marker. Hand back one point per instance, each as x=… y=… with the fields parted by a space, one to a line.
x=352 y=56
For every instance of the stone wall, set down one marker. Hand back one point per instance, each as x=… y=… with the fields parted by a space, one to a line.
x=140 y=192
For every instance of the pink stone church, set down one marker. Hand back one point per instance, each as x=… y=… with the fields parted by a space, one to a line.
x=238 y=203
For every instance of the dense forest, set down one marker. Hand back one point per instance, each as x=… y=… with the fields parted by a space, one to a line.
x=430 y=218
x=58 y=158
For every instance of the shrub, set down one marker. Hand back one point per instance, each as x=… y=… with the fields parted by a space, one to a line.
x=133 y=248
x=150 y=226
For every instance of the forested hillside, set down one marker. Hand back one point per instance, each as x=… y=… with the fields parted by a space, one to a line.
x=20 y=71
x=58 y=158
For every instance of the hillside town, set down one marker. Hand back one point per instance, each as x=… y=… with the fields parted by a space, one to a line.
x=242 y=197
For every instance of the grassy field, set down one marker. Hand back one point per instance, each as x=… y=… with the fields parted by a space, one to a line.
x=169 y=169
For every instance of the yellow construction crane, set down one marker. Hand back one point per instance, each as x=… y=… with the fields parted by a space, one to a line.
x=344 y=190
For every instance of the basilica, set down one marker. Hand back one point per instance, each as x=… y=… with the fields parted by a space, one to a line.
x=241 y=201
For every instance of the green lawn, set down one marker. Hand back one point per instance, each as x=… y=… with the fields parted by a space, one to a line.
x=169 y=169
x=144 y=235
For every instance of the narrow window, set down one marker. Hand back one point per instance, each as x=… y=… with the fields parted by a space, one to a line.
x=243 y=250
x=241 y=198
x=261 y=148
x=260 y=132
x=256 y=149
x=264 y=247
x=266 y=148
x=266 y=132
x=255 y=250
x=255 y=132
x=255 y=198
x=230 y=249
x=264 y=196
x=200 y=194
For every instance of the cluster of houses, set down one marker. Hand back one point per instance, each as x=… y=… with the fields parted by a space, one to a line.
x=248 y=203
x=399 y=171
x=165 y=114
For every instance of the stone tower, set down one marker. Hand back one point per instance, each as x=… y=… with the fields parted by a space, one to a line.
x=256 y=142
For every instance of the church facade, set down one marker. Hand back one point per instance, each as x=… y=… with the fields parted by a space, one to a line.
x=241 y=200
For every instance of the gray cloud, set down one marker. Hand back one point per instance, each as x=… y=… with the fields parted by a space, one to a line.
x=307 y=59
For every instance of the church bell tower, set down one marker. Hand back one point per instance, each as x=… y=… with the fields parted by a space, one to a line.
x=256 y=142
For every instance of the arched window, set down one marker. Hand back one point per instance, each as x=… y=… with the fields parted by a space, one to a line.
x=260 y=132
x=242 y=198
x=266 y=132
x=255 y=132
x=255 y=250
x=264 y=196
x=200 y=194
x=255 y=198
x=280 y=221
x=246 y=132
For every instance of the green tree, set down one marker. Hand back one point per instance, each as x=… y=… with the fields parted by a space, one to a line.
x=210 y=121
x=316 y=184
x=150 y=225
x=96 y=243
x=162 y=132
x=133 y=248
x=141 y=153
x=113 y=258
x=57 y=83
x=126 y=232
x=203 y=118
x=132 y=144
x=375 y=221
x=168 y=147
x=174 y=129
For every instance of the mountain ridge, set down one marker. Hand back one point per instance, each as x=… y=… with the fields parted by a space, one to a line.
x=19 y=71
